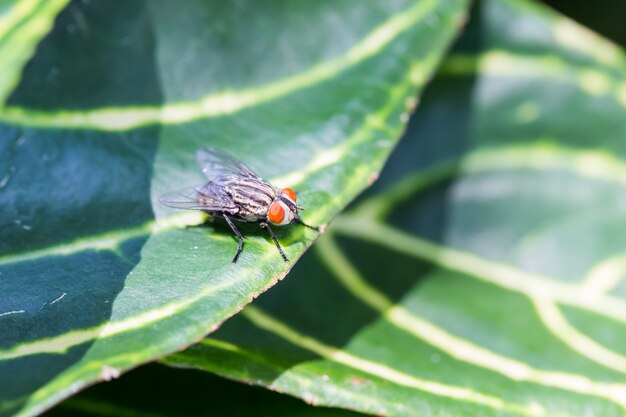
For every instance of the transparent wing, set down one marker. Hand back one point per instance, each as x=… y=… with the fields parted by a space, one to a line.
x=209 y=197
x=215 y=162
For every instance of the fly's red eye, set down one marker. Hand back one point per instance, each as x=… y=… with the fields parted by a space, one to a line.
x=288 y=192
x=276 y=213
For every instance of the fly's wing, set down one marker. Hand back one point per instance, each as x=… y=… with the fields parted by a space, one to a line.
x=209 y=197
x=215 y=163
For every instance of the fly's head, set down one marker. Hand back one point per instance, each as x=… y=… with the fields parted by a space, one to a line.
x=283 y=209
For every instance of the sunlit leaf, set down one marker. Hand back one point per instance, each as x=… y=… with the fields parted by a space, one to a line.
x=160 y=391
x=95 y=276
x=22 y=25
x=485 y=274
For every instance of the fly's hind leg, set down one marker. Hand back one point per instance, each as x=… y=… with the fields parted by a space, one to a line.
x=267 y=226
x=238 y=234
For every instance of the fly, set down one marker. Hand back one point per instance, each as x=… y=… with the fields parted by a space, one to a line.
x=236 y=193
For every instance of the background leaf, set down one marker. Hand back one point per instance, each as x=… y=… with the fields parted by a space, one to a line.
x=96 y=277
x=22 y=25
x=160 y=391
x=489 y=279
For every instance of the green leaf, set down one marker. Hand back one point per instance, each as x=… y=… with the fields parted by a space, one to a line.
x=96 y=276
x=485 y=274
x=160 y=391
x=22 y=25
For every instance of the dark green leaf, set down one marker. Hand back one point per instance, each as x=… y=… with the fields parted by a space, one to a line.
x=22 y=25
x=159 y=391
x=96 y=277
x=490 y=278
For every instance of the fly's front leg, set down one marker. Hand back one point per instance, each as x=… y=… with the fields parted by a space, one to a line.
x=267 y=226
x=299 y=221
x=238 y=234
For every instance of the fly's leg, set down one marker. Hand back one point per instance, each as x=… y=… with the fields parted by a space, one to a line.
x=238 y=234
x=299 y=221
x=267 y=226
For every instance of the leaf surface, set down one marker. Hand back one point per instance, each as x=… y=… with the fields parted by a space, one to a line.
x=485 y=272
x=96 y=276
x=22 y=25
x=161 y=391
